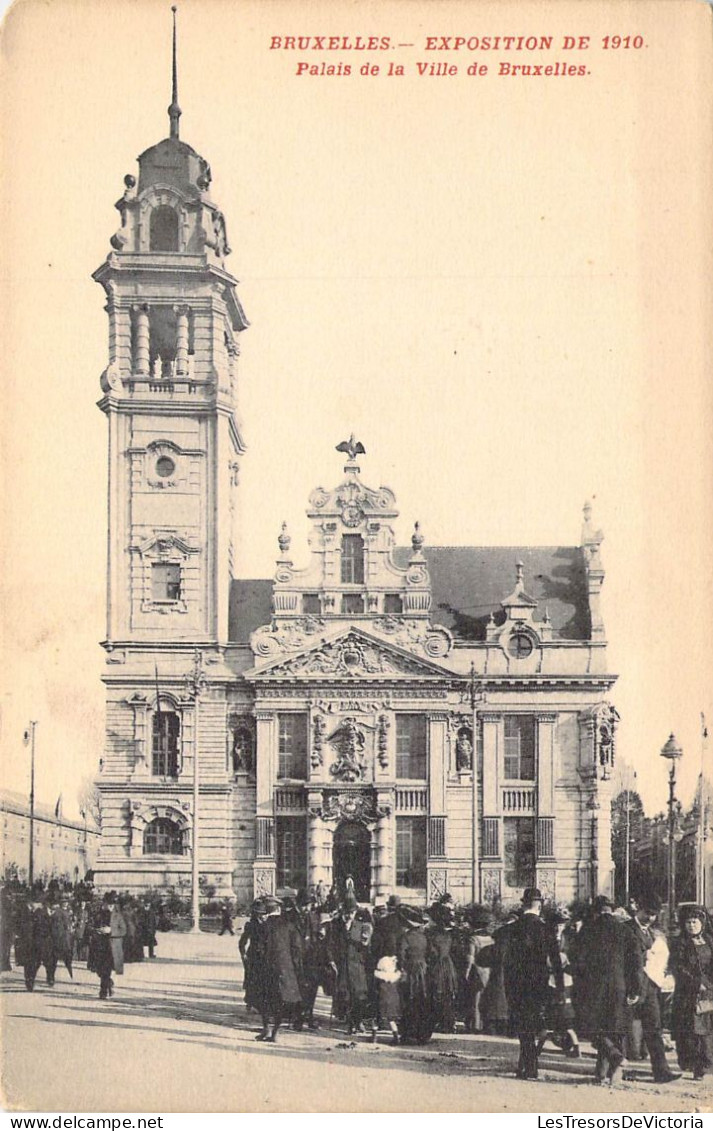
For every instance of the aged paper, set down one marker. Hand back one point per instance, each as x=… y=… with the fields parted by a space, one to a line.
x=477 y=235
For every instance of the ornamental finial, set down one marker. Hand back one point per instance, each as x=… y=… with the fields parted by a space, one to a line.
x=417 y=538
x=174 y=110
x=352 y=447
x=284 y=539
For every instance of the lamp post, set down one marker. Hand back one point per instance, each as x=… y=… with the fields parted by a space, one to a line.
x=195 y=684
x=672 y=751
x=29 y=739
x=627 y=857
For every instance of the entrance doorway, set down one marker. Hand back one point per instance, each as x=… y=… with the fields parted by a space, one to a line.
x=352 y=857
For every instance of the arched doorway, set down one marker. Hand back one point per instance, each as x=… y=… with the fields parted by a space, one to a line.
x=352 y=857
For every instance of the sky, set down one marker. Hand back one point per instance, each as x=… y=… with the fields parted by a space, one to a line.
x=501 y=284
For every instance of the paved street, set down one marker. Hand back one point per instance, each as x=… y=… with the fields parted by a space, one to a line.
x=176 y=1037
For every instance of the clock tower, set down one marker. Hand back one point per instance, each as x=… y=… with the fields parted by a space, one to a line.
x=174 y=442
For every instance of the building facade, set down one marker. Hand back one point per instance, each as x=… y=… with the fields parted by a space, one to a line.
x=419 y=718
x=63 y=849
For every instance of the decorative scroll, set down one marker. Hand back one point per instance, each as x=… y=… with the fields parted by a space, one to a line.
x=491 y=885
x=382 y=747
x=350 y=807
x=318 y=728
x=437 y=879
x=264 y=881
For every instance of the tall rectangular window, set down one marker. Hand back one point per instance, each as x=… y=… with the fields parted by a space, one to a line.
x=291 y=850
x=292 y=760
x=311 y=604
x=352 y=559
x=166 y=733
x=519 y=851
x=520 y=747
x=411 y=747
x=411 y=852
x=165 y=582
x=352 y=603
x=393 y=604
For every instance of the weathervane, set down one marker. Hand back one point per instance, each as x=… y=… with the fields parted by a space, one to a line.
x=352 y=447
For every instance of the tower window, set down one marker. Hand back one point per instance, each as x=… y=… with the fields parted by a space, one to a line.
x=393 y=603
x=292 y=746
x=165 y=582
x=352 y=604
x=520 y=747
x=166 y=732
x=352 y=559
x=411 y=747
x=164 y=228
x=163 y=837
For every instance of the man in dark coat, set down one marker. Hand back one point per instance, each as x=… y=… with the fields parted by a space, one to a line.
x=647 y=1006
x=314 y=956
x=35 y=941
x=608 y=964
x=348 y=948
x=280 y=973
x=532 y=956
x=388 y=931
x=148 y=923
x=226 y=919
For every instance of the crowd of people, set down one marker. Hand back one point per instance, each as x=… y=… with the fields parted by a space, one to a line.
x=546 y=973
x=68 y=923
x=542 y=973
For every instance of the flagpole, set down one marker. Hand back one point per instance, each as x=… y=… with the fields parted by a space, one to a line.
x=33 y=724
x=701 y=869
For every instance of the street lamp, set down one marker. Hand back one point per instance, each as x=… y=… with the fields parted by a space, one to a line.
x=672 y=751
x=195 y=684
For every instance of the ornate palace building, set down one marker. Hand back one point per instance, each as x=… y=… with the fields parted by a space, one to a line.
x=421 y=718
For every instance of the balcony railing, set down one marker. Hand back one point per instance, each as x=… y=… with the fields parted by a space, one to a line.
x=411 y=799
x=519 y=800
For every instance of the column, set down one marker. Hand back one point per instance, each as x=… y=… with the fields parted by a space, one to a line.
x=265 y=866
x=318 y=866
x=385 y=856
x=545 y=829
x=492 y=840
x=437 y=763
x=182 y=340
x=142 y=354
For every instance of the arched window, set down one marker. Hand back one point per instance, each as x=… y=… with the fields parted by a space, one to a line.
x=165 y=744
x=163 y=837
x=164 y=228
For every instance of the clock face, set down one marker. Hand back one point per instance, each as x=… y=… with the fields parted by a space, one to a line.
x=519 y=645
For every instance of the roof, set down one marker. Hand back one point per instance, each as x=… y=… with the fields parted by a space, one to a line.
x=469 y=583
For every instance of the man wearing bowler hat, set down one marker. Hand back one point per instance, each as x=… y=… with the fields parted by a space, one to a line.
x=532 y=956
x=646 y=1005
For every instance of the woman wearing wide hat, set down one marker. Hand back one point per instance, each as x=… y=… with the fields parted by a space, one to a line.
x=417 y=1025
x=691 y=961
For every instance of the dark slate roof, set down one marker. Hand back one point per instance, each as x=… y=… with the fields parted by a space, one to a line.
x=468 y=584
x=250 y=606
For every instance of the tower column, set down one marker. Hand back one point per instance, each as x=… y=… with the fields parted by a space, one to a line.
x=142 y=356
x=182 y=341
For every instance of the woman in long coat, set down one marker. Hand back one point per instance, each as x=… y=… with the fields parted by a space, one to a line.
x=441 y=971
x=691 y=962
x=493 y=1000
x=416 y=1026
x=348 y=952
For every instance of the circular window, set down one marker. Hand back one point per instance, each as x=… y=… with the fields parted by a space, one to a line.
x=519 y=645
x=165 y=467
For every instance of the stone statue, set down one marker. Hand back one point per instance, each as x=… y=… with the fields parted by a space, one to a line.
x=464 y=751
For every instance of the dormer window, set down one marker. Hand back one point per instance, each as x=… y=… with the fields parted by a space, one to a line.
x=352 y=604
x=352 y=559
x=164 y=228
x=393 y=603
x=311 y=605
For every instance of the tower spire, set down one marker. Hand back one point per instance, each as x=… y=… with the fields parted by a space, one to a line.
x=174 y=110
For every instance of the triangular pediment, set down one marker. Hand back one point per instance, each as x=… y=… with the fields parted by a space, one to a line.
x=350 y=654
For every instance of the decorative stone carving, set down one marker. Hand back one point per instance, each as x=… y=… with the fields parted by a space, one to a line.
x=491 y=885
x=382 y=742
x=264 y=881
x=354 y=657
x=318 y=728
x=289 y=637
x=546 y=881
x=242 y=752
x=464 y=749
x=353 y=494
x=350 y=807
x=415 y=634
x=598 y=737
x=350 y=742
x=437 y=881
